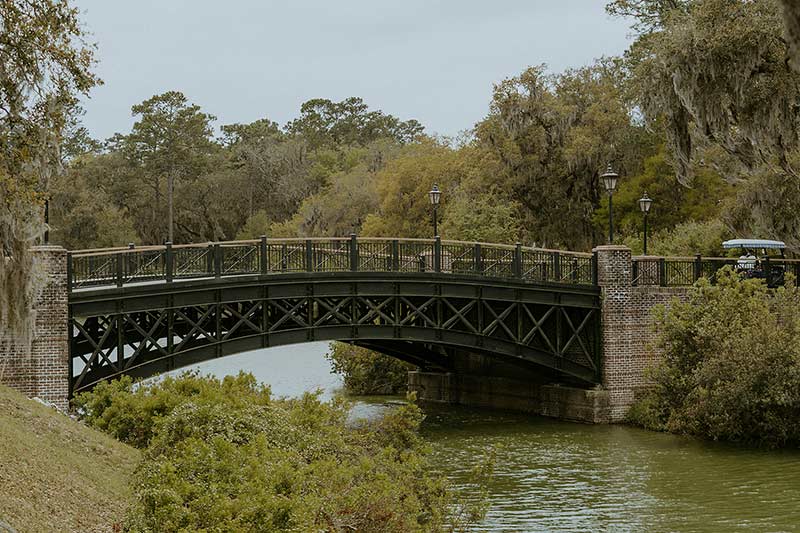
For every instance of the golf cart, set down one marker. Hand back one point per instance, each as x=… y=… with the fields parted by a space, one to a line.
x=755 y=260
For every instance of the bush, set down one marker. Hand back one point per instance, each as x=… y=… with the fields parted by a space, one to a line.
x=368 y=372
x=224 y=455
x=731 y=367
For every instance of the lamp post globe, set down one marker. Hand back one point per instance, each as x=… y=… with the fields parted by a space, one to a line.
x=435 y=196
x=645 y=202
x=610 y=179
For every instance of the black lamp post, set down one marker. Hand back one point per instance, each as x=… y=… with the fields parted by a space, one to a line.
x=47 y=220
x=610 y=182
x=644 y=204
x=435 y=196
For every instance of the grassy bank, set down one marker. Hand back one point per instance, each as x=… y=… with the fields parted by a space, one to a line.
x=57 y=474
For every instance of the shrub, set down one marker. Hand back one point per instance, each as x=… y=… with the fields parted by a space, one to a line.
x=731 y=367
x=224 y=455
x=366 y=371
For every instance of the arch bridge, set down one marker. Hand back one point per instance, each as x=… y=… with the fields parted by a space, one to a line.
x=142 y=310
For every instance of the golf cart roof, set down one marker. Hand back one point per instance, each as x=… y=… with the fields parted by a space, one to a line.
x=753 y=243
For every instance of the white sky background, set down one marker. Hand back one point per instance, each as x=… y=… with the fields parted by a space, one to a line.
x=241 y=60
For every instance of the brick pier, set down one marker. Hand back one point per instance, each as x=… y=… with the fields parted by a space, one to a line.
x=41 y=370
x=629 y=328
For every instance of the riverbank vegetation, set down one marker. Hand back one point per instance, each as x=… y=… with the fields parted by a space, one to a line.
x=227 y=452
x=731 y=367
x=365 y=371
x=56 y=474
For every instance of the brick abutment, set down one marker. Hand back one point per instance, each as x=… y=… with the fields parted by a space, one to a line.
x=629 y=327
x=41 y=368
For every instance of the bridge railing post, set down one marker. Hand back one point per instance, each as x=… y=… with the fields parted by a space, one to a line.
x=395 y=255
x=768 y=271
x=478 y=259
x=129 y=268
x=353 y=253
x=557 y=267
x=437 y=254
x=217 y=260
x=210 y=259
x=118 y=258
x=309 y=256
x=264 y=255
x=662 y=272
x=169 y=262
x=594 y=268
x=517 y=264
x=698 y=267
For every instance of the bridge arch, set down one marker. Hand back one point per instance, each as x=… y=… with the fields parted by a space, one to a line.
x=148 y=325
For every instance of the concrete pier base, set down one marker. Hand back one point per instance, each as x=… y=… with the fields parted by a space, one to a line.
x=557 y=401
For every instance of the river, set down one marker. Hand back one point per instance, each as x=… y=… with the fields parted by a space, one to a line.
x=557 y=476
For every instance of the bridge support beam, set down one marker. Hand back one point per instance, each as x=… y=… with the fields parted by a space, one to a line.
x=628 y=326
x=528 y=396
x=485 y=381
x=41 y=369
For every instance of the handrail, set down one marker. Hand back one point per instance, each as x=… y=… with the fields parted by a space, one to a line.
x=685 y=271
x=125 y=265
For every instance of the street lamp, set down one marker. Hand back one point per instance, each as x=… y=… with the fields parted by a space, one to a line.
x=644 y=204
x=610 y=181
x=435 y=196
x=47 y=220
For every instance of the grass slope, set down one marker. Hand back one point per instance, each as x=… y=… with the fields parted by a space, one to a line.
x=57 y=474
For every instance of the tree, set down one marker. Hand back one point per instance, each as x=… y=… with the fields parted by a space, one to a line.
x=736 y=379
x=366 y=371
x=791 y=17
x=273 y=172
x=674 y=203
x=403 y=184
x=45 y=65
x=170 y=144
x=715 y=72
x=323 y=123
x=552 y=137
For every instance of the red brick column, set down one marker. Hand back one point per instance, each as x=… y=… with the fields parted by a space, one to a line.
x=42 y=369
x=629 y=328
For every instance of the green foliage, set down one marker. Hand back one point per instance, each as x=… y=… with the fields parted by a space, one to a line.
x=130 y=413
x=45 y=67
x=257 y=225
x=366 y=371
x=225 y=455
x=404 y=209
x=735 y=378
x=767 y=206
x=349 y=122
x=684 y=240
x=673 y=203
x=551 y=136
x=716 y=72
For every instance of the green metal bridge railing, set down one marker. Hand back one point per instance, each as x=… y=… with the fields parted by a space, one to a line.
x=169 y=263
x=685 y=271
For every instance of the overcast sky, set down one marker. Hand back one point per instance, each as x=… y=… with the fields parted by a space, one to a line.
x=241 y=60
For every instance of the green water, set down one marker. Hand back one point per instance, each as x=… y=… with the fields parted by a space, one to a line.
x=557 y=476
